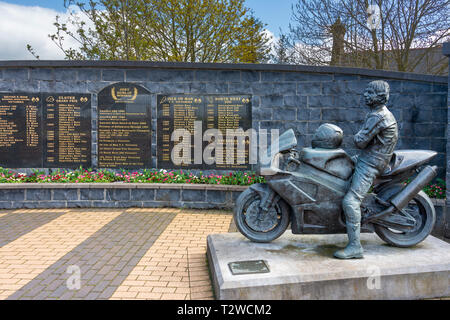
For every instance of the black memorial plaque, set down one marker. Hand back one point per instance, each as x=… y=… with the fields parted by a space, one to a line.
x=221 y=112
x=20 y=130
x=124 y=127
x=67 y=128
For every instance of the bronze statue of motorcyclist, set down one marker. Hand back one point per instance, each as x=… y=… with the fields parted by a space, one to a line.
x=377 y=139
x=321 y=190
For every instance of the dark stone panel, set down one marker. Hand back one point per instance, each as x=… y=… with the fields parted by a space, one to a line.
x=273 y=76
x=214 y=196
x=89 y=74
x=309 y=88
x=229 y=75
x=437 y=87
x=283 y=113
x=28 y=85
x=347 y=77
x=350 y=101
x=262 y=113
x=78 y=204
x=216 y=88
x=6 y=86
x=262 y=88
x=113 y=75
x=12 y=194
x=271 y=101
x=314 y=114
x=38 y=194
x=16 y=74
x=173 y=87
x=286 y=88
x=167 y=195
x=295 y=101
x=163 y=75
x=206 y=75
x=338 y=114
x=416 y=87
x=321 y=101
x=137 y=75
x=65 y=194
x=65 y=74
x=142 y=194
x=8 y=204
x=297 y=76
x=48 y=204
x=42 y=74
x=67 y=86
x=117 y=194
x=103 y=204
x=250 y=76
x=92 y=194
x=196 y=87
x=439 y=115
x=193 y=195
x=240 y=88
x=435 y=100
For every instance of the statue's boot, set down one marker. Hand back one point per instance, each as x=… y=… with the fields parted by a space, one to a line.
x=353 y=248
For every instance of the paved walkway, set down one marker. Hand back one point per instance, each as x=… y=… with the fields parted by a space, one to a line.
x=107 y=254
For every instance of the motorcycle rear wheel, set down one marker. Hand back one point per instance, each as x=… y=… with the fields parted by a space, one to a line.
x=256 y=225
x=422 y=209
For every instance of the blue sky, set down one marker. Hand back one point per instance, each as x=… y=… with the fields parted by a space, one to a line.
x=276 y=13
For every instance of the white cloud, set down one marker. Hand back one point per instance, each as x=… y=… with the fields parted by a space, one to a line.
x=22 y=25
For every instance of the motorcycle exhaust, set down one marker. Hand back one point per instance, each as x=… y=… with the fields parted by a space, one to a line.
x=407 y=194
x=402 y=199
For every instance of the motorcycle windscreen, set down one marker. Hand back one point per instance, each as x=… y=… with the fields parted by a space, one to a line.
x=284 y=142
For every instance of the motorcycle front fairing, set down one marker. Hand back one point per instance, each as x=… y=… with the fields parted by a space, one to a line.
x=271 y=160
x=313 y=195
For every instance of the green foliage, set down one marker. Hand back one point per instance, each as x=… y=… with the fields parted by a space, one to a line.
x=81 y=175
x=436 y=190
x=170 y=30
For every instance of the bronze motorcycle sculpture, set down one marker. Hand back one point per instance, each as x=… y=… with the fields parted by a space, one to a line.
x=306 y=188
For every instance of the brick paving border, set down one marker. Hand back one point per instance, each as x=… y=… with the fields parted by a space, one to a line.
x=135 y=253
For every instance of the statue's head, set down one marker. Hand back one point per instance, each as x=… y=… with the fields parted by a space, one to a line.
x=377 y=93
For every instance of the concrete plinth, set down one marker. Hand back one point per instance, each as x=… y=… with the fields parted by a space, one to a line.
x=303 y=267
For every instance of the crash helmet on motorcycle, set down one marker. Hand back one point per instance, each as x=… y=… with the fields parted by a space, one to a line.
x=327 y=136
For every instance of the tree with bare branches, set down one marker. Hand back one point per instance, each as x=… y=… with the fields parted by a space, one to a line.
x=402 y=35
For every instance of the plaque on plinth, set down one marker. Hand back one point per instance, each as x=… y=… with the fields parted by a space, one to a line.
x=124 y=127
x=20 y=130
x=67 y=127
x=207 y=121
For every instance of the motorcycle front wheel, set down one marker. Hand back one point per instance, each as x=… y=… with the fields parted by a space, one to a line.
x=422 y=210
x=254 y=223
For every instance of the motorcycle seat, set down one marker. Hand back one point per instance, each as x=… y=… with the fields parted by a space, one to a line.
x=333 y=161
x=404 y=160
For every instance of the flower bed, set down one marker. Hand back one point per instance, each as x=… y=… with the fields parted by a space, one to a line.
x=145 y=176
x=434 y=190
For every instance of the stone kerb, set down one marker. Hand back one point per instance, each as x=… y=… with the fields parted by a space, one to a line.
x=117 y=195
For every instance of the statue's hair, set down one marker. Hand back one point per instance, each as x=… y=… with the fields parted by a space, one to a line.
x=382 y=89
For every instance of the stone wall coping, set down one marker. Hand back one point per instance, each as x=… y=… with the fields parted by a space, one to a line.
x=223 y=66
x=121 y=185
